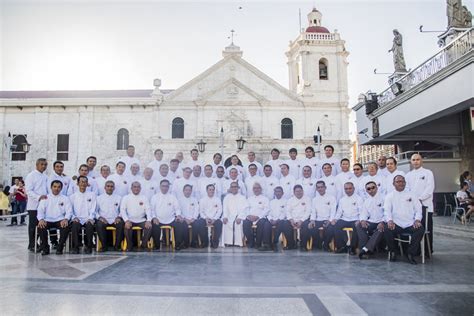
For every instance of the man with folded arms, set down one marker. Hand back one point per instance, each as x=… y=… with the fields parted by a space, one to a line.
x=371 y=221
x=135 y=211
x=210 y=210
x=403 y=212
x=298 y=211
x=189 y=207
x=108 y=215
x=166 y=211
x=347 y=216
x=259 y=207
x=54 y=212
x=83 y=214
x=323 y=208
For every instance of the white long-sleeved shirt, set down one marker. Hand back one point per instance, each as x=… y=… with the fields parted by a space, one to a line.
x=349 y=208
x=388 y=180
x=315 y=165
x=165 y=207
x=35 y=185
x=372 y=209
x=298 y=209
x=309 y=186
x=323 y=207
x=83 y=206
x=277 y=209
x=403 y=208
x=259 y=168
x=226 y=185
x=269 y=184
x=287 y=183
x=235 y=206
x=155 y=165
x=128 y=161
x=65 y=180
x=258 y=206
x=421 y=182
x=55 y=208
x=121 y=182
x=135 y=208
x=101 y=184
x=210 y=207
x=189 y=207
x=108 y=207
x=250 y=181
x=149 y=187
x=295 y=167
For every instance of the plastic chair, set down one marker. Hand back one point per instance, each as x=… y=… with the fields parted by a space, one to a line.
x=49 y=236
x=169 y=230
x=456 y=208
x=114 y=237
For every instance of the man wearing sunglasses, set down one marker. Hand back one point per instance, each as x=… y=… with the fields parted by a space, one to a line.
x=371 y=221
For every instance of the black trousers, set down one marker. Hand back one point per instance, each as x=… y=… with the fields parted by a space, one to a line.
x=76 y=231
x=363 y=234
x=430 y=228
x=282 y=226
x=340 y=235
x=43 y=234
x=146 y=234
x=179 y=228
x=194 y=237
x=102 y=233
x=204 y=234
x=263 y=234
x=327 y=232
x=416 y=236
x=288 y=230
x=32 y=223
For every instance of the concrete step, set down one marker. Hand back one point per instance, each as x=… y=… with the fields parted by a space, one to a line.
x=454 y=233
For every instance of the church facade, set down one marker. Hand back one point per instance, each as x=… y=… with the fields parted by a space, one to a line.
x=229 y=100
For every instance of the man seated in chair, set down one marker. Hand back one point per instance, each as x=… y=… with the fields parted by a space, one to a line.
x=371 y=221
x=403 y=212
x=298 y=211
x=323 y=208
x=234 y=211
x=189 y=207
x=259 y=207
x=84 y=204
x=135 y=212
x=347 y=216
x=54 y=211
x=166 y=211
x=108 y=215
x=277 y=218
x=210 y=210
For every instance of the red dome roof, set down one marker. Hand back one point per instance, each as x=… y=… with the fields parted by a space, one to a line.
x=317 y=29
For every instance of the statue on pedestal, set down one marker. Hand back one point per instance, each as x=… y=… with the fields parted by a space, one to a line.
x=397 y=49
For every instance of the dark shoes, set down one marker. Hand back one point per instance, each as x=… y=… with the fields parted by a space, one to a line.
x=411 y=259
x=45 y=251
x=265 y=248
x=74 y=251
x=363 y=255
x=392 y=256
x=342 y=250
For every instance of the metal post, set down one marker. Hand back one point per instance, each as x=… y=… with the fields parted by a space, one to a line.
x=221 y=141
x=319 y=142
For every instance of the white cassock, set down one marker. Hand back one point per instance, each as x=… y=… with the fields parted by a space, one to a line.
x=276 y=170
x=287 y=183
x=309 y=186
x=128 y=161
x=334 y=162
x=259 y=168
x=235 y=206
x=295 y=167
x=226 y=185
x=250 y=181
x=201 y=190
x=269 y=184
x=315 y=165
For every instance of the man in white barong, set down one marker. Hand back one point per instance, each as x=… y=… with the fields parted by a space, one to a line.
x=235 y=210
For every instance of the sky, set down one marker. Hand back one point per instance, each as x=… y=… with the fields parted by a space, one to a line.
x=78 y=45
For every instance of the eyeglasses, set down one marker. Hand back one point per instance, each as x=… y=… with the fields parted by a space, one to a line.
x=370 y=188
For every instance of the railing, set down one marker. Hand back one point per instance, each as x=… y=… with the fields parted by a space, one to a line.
x=462 y=45
x=320 y=36
x=427 y=154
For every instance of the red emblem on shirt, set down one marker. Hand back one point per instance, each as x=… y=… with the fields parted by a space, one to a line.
x=141 y=203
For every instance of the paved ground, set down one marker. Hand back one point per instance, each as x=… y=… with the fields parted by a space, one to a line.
x=234 y=282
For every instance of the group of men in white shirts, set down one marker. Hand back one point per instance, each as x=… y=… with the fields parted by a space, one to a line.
x=229 y=206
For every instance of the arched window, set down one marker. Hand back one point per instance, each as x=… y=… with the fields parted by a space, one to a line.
x=286 y=128
x=122 y=139
x=177 y=128
x=17 y=152
x=323 y=69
